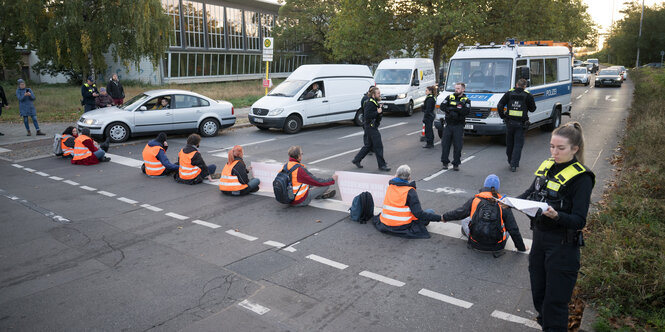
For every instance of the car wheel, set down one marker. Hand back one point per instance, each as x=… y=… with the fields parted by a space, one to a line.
x=209 y=127
x=409 y=108
x=293 y=124
x=359 y=119
x=556 y=121
x=262 y=127
x=117 y=132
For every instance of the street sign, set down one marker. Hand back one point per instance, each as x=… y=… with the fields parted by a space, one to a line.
x=267 y=83
x=267 y=48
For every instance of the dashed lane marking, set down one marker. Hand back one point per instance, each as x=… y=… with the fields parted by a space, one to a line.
x=71 y=182
x=445 y=170
x=34 y=207
x=87 y=188
x=445 y=298
x=206 y=224
x=328 y=262
x=3 y=150
x=274 y=244
x=334 y=156
x=382 y=128
x=515 y=319
x=382 y=279
x=241 y=235
x=415 y=132
x=578 y=97
x=127 y=200
x=29 y=169
x=586 y=91
x=57 y=178
x=151 y=208
x=247 y=144
x=176 y=216
x=41 y=173
x=256 y=308
x=291 y=248
x=17 y=165
x=106 y=193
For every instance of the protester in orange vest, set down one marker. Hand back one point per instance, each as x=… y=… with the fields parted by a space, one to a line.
x=305 y=185
x=155 y=161
x=234 y=180
x=67 y=141
x=86 y=151
x=192 y=168
x=506 y=221
x=402 y=214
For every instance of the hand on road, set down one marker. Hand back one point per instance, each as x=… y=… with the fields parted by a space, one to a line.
x=335 y=177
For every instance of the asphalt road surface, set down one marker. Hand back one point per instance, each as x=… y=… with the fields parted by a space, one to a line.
x=106 y=248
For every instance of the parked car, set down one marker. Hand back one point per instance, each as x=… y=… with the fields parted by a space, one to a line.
x=596 y=65
x=185 y=111
x=589 y=66
x=577 y=63
x=581 y=75
x=608 y=77
x=653 y=65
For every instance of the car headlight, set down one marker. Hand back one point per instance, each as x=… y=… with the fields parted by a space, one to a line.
x=401 y=96
x=91 y=121
x=494 y=113
x=276 y=111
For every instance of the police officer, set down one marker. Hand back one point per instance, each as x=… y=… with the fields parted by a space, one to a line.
x=455 y=107
x=362 y=107
x=519 y=102
x=89 y=93
x=428 y=116
x=565 y=184
x=372 y=117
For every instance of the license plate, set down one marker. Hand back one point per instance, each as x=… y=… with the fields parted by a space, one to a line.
x=468 y=126
x=258 y=120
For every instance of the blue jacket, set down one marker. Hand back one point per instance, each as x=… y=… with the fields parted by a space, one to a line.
x=162 y=157
x=25 y=105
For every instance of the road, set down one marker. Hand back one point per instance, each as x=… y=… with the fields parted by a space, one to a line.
x=105 y=248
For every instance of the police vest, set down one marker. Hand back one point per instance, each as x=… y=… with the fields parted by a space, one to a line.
x=187 y=171
x=474 y=206
x=66 y=150
x=228 y=181
x=454 y=102
x=153 y=166
x=517 y=105
x=300 y=189
x=81 y=151
x=549 y=188
x=395 y=212
x=91 y=88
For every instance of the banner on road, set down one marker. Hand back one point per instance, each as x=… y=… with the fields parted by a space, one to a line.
x=353 y=183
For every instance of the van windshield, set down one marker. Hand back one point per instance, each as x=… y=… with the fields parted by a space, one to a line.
x=480 y=75
x=288 y=88
x=392 y=76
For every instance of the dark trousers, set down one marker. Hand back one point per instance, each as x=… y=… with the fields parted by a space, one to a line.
x=373 y=143
x=429 y=132
x=452 y=134
x=89 y=107
x=514 y=142
x=553 y=267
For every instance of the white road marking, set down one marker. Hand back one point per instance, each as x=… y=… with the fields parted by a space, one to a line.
x=42 y=174
x=127 y=200
x=131 y=162
x=578 y=97
x=57 y=178
x=29 y=169
x=176 y=216
x=151 y=208
x=274 y=244
x=515 y=319
x=445 y=298
x=3 y=150
x=334 y=156
x=17 y=165
x=328 y=262
x=609 y=97
x=241 y=235
x=445 y=170
x=246 y=144
x=87 y=188
x=206 y=224
x=256 y=308
x=586 y=91
x=291 y=248
x=71 y=182
x=382 y=279
x=415 y=132
x=447 y=190
x=382 y=128
x=106 y=193
x=453 y=230
x=595 y=161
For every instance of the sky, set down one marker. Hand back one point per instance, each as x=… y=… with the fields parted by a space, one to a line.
x=601 y=12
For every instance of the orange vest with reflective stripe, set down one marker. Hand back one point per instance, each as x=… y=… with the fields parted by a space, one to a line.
x=81 y=151
x=228 y=181
x=299 y=189
x=395 y=212
x=187 y=171
x=66 y=151
x=153 y=166
x=474 y=205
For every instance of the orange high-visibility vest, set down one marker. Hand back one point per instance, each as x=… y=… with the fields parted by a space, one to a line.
x=228 y=181
x=395 y=211
x=66 y=151
x=299 y=189
x=153 y=166
x=474 y=205
x=81 y=151
x=187 y=171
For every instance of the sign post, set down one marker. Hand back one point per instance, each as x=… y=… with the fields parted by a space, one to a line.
x=267 y=57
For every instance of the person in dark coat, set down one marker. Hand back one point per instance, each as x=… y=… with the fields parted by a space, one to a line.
x=26 y=98
x=89 y=93
x=103 y=100
x=428 y=115
x=372 y=119
x=519 y=102
x=115 y=90
x=3 y=103
x=160 y=141
x=455 y=107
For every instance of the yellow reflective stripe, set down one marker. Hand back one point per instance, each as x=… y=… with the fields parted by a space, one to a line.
x=396 y=218
x=569 y=172
x=453 y=103
x=544 y=167
x=515 y=112
x=397 y=209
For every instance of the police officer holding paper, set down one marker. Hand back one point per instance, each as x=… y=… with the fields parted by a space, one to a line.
x=372 y=117
x=519 y=102
x=456 y=107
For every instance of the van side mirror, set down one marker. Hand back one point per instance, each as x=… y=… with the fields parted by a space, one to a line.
x=143 y=108
x=416 y=82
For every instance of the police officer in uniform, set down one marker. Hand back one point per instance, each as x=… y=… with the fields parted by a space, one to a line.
x=89 y=93
x=519 y=102
x=456 y=107
x=362 y=107
x=428 y=116
x=565 y=184
x=372 y=118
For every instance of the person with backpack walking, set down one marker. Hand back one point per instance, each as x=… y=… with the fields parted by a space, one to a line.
x=305 y=185
x=486 y=223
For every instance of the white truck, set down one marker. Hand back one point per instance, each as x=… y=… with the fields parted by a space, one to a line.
x=403 y=82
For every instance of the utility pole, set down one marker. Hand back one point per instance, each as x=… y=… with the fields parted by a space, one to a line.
x=611 y=31
x=639 y=36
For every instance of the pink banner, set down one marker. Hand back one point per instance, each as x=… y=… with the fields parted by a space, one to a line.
x=353 y=183
x=265 y=172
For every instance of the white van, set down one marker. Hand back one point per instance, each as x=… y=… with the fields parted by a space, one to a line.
x=295 y=102
x=489 y=71
x=403 y=83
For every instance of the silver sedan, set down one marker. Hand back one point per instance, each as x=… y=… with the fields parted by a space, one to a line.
x=160 y=110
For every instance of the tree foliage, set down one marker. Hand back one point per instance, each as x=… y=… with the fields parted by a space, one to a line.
x=17 y=26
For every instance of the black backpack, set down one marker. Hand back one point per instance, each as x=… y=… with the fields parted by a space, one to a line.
x=282 y=185
x=362 y=208
x=486 y=226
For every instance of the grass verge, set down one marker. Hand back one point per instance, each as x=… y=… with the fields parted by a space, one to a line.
x=623 y=263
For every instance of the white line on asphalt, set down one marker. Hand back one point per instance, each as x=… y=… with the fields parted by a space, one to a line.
x=71 y=182
x=243 y=145
x=29 y=169
x=57 y=178
x=453 y=230
x=206 y=224
x=445 y=170
x=586 y=91
x=328 y=262
x=256 y=308
x=87 y=188
x=241 y=235
x=274 y=244
x=445 y=298
x=151 y=208
x=106 y=193
x=291 y=248
x=334 y=156
x=176 y=216
x=515 y=319
x=595 y=161
x=3 y=150
x=578 y=97
x=42 y=174
x=415 y=132
x=17 y=165
x=382 y=279
x=127 y=200
x=131 y=162
x=382 y=128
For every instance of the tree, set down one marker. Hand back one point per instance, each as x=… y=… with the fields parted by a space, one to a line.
x=18 y=24
x=622 y=43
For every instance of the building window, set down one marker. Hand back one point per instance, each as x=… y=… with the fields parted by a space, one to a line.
x=172 y=8
x=215 y=20
x=192 y=12
x=252 y=30
x=234 y=24
x=267 y=25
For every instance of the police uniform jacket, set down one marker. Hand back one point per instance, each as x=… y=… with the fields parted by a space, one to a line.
x=519 y=102
x=456 y=109
x=428 y=107
x=86 y=93
x=371 y=113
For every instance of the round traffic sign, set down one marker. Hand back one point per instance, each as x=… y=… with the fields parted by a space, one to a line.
x=266 y=43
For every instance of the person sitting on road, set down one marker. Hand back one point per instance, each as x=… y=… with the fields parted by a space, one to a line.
x=402 y=214
x=314 y=92
x=104 y=99
x=67 y=141
x=86 y=151
x=192 y=168
x=155 y=161
x=487 y=230
x=302 y=180
x=162 y=103
x=234 y=180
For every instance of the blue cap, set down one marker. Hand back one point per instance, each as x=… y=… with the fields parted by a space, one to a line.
x=20 y=80
x=91 y=79
x=492 y=181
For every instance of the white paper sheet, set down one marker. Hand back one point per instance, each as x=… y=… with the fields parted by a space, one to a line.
x=527 y=207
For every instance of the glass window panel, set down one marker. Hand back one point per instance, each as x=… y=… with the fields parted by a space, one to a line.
x=191 y=64
x=199 y=65
x=183 y=64
x=234 y=24
x=550 y=71
x=214 y=58
x=215 y=17
x=252 y=30
x=192 y=13
x=175 y=61
x=172 y=9
x=537 y=72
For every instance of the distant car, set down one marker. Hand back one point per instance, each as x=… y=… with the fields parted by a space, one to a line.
x=653 y=65
x=589 y=66
x=608 y=77
x=185 y=111
x=596 y=65
x=622 y=72
x=581 y=75
x=577 y=63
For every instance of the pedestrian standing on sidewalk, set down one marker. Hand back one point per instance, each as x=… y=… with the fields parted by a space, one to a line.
x=115 y=90
x=26 y=106
x=3 y=103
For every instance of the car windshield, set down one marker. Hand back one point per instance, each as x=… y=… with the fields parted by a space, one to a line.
x=593 y=61
x=287 y=88
x=579 y=71
x=480 y=75
x=609 y=72
x=392 y=76
x=134 y=102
